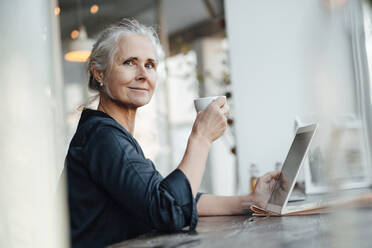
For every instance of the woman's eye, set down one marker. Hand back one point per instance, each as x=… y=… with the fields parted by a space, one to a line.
x=149 y=66
x=128 y=62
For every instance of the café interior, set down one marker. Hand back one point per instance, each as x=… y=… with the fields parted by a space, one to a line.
x=282 y=65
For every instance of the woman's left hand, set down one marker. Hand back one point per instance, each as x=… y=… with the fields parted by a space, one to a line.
x=264 y=188
x=211 y=205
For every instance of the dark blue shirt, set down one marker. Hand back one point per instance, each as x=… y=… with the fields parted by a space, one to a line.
x=115 y=193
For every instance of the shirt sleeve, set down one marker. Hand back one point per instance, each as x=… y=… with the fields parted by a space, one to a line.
x=131 y=180
x=197 y=197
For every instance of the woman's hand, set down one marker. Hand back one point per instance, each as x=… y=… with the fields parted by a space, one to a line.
x=211 y=123
x=264 y=188
x=210 y=205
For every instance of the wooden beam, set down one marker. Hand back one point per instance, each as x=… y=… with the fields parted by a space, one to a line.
x=163 y=32
x=209 y=7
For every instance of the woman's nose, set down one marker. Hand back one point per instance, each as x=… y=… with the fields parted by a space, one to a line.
x=141 y=73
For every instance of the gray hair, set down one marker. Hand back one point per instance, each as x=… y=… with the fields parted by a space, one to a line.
x=106 y=46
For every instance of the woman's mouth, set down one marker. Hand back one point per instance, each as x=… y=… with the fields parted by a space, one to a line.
x=138 y=89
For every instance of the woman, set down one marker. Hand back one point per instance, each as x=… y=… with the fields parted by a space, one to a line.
x=115 y=193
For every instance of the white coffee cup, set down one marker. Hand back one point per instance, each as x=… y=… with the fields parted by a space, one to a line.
x=202 y=103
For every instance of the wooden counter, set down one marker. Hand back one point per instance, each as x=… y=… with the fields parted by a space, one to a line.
x=347 y=228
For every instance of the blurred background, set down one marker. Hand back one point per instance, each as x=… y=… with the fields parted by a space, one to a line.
x=281 y=64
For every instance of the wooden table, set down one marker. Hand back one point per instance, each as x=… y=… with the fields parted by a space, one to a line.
x=346 y=228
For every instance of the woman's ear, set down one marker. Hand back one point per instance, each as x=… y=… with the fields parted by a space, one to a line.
x=98 y=75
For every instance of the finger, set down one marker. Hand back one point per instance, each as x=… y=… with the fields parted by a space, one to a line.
x=266 y=178
x=275 y=174
x=220 y=101
x=225 y=109
x=270 y=176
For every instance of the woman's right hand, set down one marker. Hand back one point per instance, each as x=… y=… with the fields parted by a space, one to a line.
x=211 y=123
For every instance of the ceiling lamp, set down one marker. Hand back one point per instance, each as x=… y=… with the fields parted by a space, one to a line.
x=94 y=9
x=57 y=10
x=80 y=48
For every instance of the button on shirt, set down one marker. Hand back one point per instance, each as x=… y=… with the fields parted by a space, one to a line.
x=114 y=192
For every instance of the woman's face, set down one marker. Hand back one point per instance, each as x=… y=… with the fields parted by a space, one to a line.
x=133 y=74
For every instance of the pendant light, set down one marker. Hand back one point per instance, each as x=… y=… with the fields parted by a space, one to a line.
x=80 y=48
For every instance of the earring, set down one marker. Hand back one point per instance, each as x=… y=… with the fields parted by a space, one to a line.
x=100 y=84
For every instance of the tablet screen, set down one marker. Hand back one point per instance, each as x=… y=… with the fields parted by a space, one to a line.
x=290 y=167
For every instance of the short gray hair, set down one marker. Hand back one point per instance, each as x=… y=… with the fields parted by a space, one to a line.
x=106 y=46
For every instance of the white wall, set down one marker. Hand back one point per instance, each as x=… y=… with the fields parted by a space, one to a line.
x=288 y=58
x=31 y=129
